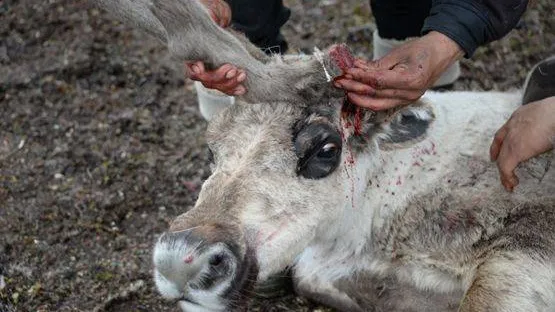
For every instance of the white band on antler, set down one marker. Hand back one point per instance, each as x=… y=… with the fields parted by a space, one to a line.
x=319 y=55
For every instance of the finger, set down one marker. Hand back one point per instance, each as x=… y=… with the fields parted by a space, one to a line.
x=506 y=163
x=222 y=73
x=227 y=86
x=214 y=17
x=407 y=95
x=242 y=76
x=197 y=70
x=363 y=89
x=375 y=104
x=354 y=86
x=240 y=90
x=225 y=14
x=498 y=139
x=192 y=69
x=385 y=79
x=214 y=78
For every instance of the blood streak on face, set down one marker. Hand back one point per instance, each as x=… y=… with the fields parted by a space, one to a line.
x=343 y=59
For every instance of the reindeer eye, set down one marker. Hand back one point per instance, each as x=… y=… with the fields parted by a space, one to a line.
x=328 y=151
x=318 y=146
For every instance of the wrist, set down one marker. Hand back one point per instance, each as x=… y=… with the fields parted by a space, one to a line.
x=445 y=47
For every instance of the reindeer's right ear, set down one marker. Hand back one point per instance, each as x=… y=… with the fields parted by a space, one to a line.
x=405 y=126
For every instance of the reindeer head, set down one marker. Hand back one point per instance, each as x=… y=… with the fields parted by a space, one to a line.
x=283 y=176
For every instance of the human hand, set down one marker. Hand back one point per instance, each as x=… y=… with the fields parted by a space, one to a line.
x=403 y=75
x=227 y=78
x=219 y=10
x=529 y=132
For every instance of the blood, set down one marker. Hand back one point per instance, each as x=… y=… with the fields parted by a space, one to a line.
x=341 y=55
x=351 y=115
x=343 y=58
x=351 y=111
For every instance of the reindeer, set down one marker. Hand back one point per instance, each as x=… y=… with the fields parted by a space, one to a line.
x=391 y=211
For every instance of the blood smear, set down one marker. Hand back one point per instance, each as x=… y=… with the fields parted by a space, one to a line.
x=342 y=57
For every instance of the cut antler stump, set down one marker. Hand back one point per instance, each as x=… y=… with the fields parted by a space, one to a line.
x=351 y=114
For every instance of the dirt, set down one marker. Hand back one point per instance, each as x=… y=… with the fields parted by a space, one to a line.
x=101 y=144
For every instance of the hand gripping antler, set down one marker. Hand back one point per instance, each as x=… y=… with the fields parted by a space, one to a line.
x=190 y=34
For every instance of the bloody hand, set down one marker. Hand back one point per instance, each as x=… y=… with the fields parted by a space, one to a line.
x=403 y=75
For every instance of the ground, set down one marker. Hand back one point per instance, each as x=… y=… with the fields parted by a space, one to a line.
x=101 y=144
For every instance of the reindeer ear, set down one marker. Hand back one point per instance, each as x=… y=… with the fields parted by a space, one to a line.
x=405 y=126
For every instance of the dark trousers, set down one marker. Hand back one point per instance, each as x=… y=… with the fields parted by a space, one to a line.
x=261 y=20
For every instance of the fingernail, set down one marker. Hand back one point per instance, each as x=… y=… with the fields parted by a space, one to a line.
x=240 y=90
x=337 y=84
x=242 y=76
x=195 y=69
x=230 y=74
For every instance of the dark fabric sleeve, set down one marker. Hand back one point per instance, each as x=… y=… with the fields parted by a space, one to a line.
x=472 y=23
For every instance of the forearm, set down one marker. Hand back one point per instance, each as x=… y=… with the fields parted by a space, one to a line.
x=472 y=23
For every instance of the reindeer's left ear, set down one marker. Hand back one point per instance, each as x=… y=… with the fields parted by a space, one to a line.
x=405 y=126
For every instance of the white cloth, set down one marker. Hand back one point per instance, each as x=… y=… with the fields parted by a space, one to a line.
x=383 y=46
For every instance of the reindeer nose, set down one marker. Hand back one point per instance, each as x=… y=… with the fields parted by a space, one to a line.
x=191 y=260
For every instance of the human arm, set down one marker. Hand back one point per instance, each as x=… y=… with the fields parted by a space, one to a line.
x=454 y=28
x=529 y=132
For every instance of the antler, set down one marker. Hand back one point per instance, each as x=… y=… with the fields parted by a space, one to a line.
x=135 y=13
x=186 y=28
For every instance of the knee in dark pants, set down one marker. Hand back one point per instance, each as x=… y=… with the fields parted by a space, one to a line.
x=261 y=22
